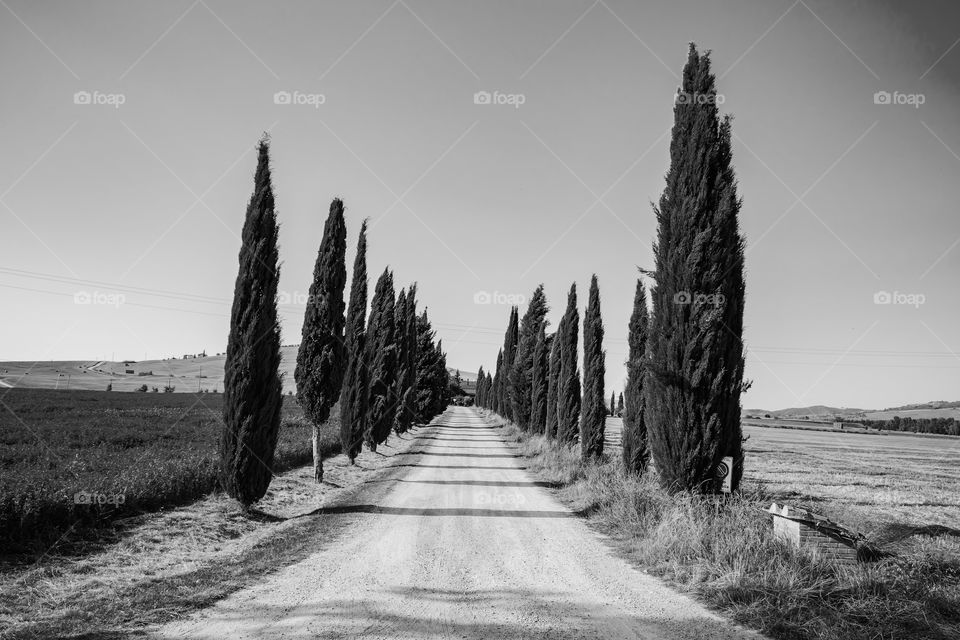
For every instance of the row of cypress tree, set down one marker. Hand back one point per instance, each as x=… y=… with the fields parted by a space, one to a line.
x=685 y=364
x=388 y=371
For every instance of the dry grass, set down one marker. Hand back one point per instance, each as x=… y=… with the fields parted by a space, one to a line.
x=167 y=565
x=725 y=553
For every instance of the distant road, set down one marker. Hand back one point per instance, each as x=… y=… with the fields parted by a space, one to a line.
x=458 y=541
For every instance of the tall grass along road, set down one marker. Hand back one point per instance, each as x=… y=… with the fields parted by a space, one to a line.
x=462 y=543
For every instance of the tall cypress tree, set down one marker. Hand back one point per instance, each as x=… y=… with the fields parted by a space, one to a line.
x=620 y=404
x=400 y=339
x=568 y=391
x=353 y=396
x=497 y=384
x=613 y=402
x=696 y=353
x=636 y=452
x=252 y=384
x=409 y=399
x=430 y=361
x=478 y=393
x=538 y=382
x=382 y=362
x=509 y=355
x=521 y=373
x=594 y=412
x=322 y=356
x=553 y=383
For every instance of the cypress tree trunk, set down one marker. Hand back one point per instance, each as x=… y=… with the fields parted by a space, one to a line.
x=695 y=371
x=568 y=392
x=636 y=452
x=382 y=362
x=252 y=388
x=322 y=356
x=521 y=373
x=553 y=383
x=538 y=383
x=594 y=414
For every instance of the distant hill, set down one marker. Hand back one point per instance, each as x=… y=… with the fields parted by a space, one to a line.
x=466 y=376
x=822 y=413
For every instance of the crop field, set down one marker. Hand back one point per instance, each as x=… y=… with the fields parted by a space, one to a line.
x=72 y=460
x=883 y=484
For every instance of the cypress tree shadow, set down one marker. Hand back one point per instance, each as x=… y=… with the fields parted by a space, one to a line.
x=459 y=455
x=439 y=511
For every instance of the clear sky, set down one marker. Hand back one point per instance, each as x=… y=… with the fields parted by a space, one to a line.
x=843 y=197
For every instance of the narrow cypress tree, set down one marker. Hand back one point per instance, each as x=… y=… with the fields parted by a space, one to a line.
x=252 y=385
x=322 y=356
x=409 y=399
x=478 y=393
x=430 y=380
x=353 y=396
x=497 y=383
x=440 y=388
x=553 y=383
x=538 y=382
x=521 y=371
x=509 y=354
x=400 y=339
x=636 y=452
x=696 y=353
x=594 y=414
x=487 y=390
x=382 y=362
x=613 y=402
x=620 y=404
x=568 y=391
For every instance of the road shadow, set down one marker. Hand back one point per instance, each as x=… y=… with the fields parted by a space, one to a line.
x=439 y=511
x=422 y=452
x=454 y=466
x=475 y=483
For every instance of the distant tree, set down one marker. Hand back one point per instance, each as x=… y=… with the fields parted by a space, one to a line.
x=568 y=391
x=521 y=372
x=353 y=396
x=636 y=450
x=553 y=383
x=110 y=386
x=620 y=405
x=594 y=411
x=402 y=419
x=382 y=362
x=252 y=384
x=695 y=368
x=322 y=356
x=509 y=355
x=408 y=401
x=613 y=402
x=538 y=382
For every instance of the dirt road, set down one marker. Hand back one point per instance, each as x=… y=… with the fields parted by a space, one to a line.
x=457 y=540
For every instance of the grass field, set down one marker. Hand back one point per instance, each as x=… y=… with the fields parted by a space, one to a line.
x=901 y=491
x=126 y=453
